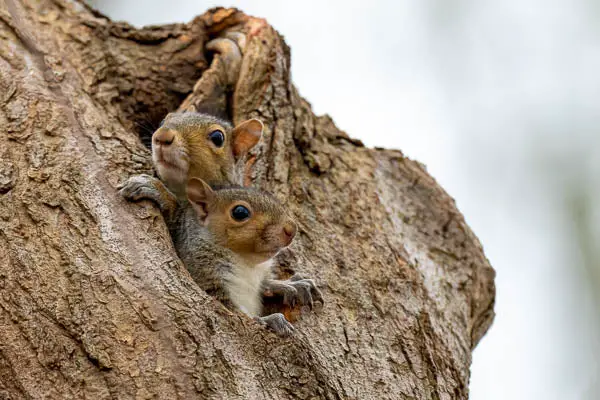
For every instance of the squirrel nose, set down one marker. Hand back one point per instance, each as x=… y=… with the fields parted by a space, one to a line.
x=289 y=231
x=163 y=137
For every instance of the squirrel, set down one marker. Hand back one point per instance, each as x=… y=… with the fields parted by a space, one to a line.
x=193 y=145
x=227 y=238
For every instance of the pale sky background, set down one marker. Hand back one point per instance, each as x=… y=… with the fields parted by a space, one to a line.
x=501 y=101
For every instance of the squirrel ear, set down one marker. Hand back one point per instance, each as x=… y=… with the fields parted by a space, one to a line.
x=245 y=136
x=200 y=196
x=165 y=119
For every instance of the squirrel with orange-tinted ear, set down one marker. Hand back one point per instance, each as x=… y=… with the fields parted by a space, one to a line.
x=227 y=239
x=193 y=145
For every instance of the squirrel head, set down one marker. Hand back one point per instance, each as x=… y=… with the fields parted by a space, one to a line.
x=193 y=145
x=251 y=223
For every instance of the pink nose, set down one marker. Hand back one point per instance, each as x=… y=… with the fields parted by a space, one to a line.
x=289 y=231
x=164 y=137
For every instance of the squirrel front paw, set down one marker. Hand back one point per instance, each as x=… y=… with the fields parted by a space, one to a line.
x=138 y=187
x=298 y=290
x=277 y=323
x=146 y=187
x=307 y=289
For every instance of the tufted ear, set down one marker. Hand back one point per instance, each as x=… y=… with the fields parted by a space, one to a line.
x=200 y=196
x=245 y=136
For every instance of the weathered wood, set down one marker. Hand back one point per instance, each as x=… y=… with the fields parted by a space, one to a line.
x=94 y=302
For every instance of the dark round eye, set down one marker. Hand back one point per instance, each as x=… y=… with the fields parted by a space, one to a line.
x=240 y=213
x=217 y=138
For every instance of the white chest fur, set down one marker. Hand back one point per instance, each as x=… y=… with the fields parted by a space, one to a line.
x=244 y=286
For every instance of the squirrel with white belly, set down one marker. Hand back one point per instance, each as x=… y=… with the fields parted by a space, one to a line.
x=227 y=256
x=227 y=239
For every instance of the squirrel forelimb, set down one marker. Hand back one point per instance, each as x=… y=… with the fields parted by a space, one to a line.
x=277 y=323
x=146 y=187
x=297 y=291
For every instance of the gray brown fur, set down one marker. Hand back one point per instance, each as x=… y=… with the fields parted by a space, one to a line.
x=206 y=262
x=188 y=121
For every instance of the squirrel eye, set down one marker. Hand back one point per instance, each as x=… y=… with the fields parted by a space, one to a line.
x=217 y=138
x=240 y=213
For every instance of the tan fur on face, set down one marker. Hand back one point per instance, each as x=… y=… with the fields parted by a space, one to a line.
x=193 y=155
x=259 y=237
x=256 y=239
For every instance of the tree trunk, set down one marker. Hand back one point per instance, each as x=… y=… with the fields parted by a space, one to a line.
x=94 y=302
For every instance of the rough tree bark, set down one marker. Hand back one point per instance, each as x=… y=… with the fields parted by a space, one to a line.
x=94 y=302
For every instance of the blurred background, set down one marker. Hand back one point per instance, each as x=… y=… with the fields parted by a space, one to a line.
x=501 y=101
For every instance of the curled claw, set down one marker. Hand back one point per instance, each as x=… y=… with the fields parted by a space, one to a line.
x=295 y=291
x=290 y=295
x=315 y=294
x=282 y=289
x=277 y=323
x=304 y=295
